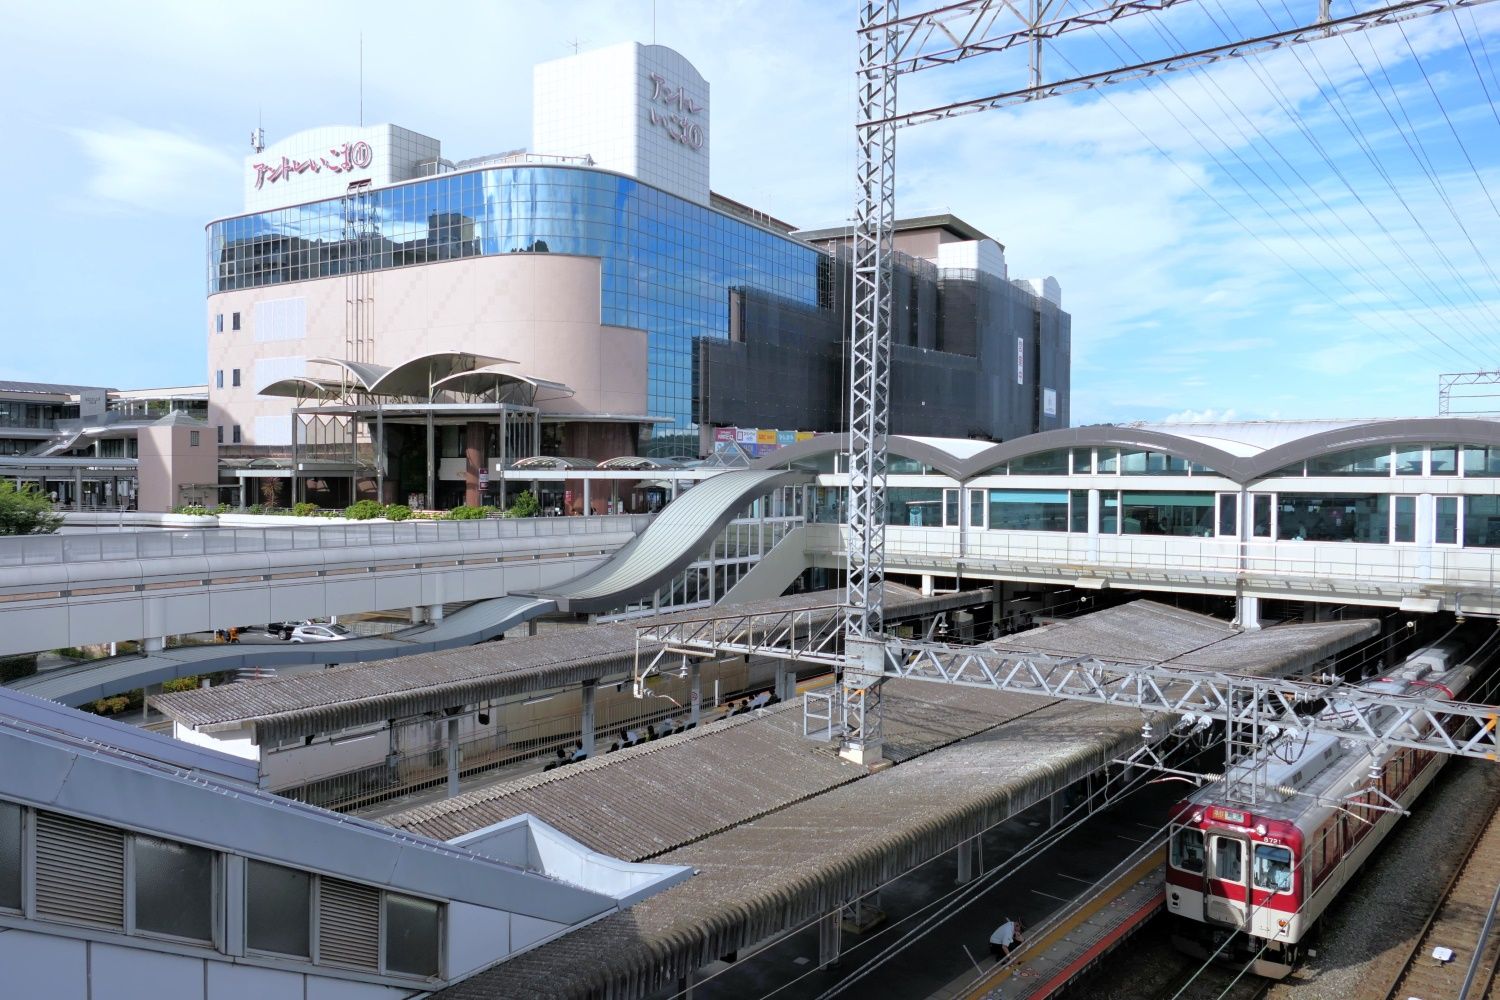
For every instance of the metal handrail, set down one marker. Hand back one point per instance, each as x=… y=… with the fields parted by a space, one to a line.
x=164 y=544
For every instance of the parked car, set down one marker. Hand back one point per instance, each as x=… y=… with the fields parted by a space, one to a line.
x=320 y=633
x=284 y=629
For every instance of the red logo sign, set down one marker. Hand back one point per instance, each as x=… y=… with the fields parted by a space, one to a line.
x=340 y=159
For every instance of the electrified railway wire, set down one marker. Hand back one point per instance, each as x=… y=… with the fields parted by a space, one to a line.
x=1306 y=215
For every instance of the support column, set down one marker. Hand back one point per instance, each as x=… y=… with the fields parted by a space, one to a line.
x=586 y=718
x=531 y=627
x=830 y=939
x=786 y=682
x=1247 y=612
x=243 y=497
x=431 y=463
x=970 y=860
x=474 y=437
x=379 y=458
x=927 y=584
x=418 y=615
x=588 y=497
x=695 y=695
x=78 y=489
x=452 y=756
x=154 y=644
x=434 y=612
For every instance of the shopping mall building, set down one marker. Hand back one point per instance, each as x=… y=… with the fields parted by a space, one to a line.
x=382 y=319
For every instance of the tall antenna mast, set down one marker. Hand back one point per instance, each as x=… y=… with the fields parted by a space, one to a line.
x=361 y=79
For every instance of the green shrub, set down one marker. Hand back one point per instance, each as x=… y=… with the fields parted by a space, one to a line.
x=193 y=510
x=524 y=504
x=465 y=513
x=398 y=512
x=222 y=508
x=304 y=510
x=13 y=668
x=255 y=508
x=26 y=511
x=363 y=510
x=111 y=706
x=180 y=684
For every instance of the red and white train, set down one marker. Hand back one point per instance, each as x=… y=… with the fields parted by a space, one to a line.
x=1270 y=870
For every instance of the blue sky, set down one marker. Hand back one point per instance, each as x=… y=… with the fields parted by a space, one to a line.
x=1313 y=232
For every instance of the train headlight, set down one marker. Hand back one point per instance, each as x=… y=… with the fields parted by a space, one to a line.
x=1282 y=924
x=1260 y=829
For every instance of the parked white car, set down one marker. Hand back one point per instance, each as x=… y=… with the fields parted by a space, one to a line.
x=320 y=633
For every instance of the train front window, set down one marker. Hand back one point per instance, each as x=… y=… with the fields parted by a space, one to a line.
x=1228 y=864
x=1272 y=869
x=1187 y=850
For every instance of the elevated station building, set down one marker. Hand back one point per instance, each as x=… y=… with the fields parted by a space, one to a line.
x=385 y=319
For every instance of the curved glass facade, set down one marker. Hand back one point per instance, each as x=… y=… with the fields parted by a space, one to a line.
x=668 y=264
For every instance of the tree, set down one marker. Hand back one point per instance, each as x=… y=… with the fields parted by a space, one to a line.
x=524 y=504
x=26 y=511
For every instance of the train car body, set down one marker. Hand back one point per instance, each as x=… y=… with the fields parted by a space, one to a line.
x=1270 y=868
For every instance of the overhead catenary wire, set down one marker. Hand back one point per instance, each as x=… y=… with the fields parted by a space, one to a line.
x=1334 y=99
x=1275 y=90
x=1284 y=102
x=1306 y=215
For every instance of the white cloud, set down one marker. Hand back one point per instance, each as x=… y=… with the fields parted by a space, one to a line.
x=1208 y=416
x=141 y=169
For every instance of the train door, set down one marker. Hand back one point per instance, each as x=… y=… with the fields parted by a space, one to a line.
x=1225 y=895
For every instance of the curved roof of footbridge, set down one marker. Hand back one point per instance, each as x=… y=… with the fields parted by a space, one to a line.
x=1242 y=452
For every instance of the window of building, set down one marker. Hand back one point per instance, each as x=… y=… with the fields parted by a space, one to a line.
x=411 y=935
x=174 y=889
x=1445 y=521
x=219 y=379
x=10 y=856
x=950 y=508
x=1404 y=519
x=219 y=323
x=1083 y=461
x=192 y=439
x=1078 y=511
x=913 y=506
x=1481 y=519
x=1444 y=460
x=1322 y=518
x=1044 y=463
x=235 y=437
x=1167 y=514
x=976 y=508
x=1260 y=520
x=234 y=321
x=1109 y=461
x=1480 y=461
x=1409 y=461
x=220 y=431
x=278 y=909
x=1029 y=510
x=234 y=377
x=1229 y=515
x=1358 y=462
x=1152 y=463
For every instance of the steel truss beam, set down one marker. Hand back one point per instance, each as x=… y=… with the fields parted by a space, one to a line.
x=1289 y=707
x=959 y=31
x=1279 y=708
x=1359 y=21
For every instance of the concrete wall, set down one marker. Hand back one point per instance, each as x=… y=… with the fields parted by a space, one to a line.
x=67 y=968
x=174 y=454
x=539 y=310
x=53 y=605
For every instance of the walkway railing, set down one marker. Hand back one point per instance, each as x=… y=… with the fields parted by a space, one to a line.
x=1178 y=557
x=163 y=544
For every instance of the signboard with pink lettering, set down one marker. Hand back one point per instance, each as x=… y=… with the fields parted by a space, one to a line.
x=322 y=163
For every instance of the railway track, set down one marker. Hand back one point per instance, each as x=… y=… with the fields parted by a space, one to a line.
x=1459 y=922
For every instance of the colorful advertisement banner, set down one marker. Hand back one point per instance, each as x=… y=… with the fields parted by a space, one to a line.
x=784 y=438
x=726 y=433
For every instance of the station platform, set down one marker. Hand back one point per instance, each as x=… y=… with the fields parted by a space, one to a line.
x=1059 y=951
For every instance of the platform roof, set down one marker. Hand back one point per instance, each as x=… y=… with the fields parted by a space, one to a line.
x=986 y=757
x=367 y=693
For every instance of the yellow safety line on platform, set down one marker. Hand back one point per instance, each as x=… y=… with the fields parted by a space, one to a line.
x=1153 y=860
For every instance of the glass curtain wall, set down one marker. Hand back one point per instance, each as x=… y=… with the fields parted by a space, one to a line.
x=668 y=264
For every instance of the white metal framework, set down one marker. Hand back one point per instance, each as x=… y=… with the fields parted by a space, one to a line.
x=1259 y=704
x=890 y=45
x=1448 y=381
